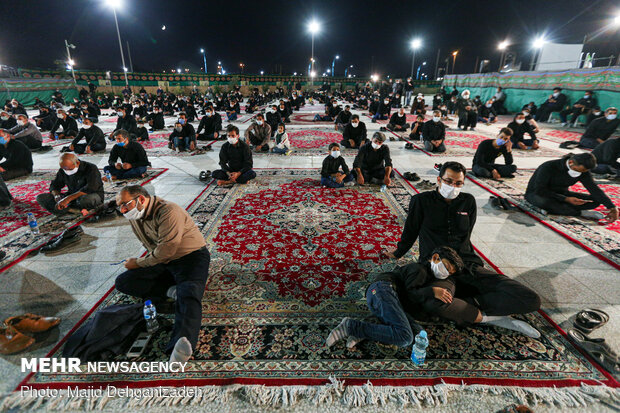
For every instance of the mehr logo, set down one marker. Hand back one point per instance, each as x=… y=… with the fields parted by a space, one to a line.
x=51 y=365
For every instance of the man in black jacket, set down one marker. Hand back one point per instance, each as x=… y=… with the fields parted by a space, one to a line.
x=607 y=154
x=46 y=119
x=17 y=157
x=235 y=160
x=93 y=136
x=7 y=121
x=434 y=134
x=343 y=118
x=133 y=160
x=89 y=110
x=84 y=187
x=582 y=106
x=548 y=188
x=600 y=129
x=555 y=103
x=68 y=124
x=520 y=127
x=156 y=119
x=125 y=121
x=398 y=121
x=354 y=134
x=373 y=163
x=383 y=111
x=273 y=119
x=446 y=217
x=488 y=150
x=211 y=123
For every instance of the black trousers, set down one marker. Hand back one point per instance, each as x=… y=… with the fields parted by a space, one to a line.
x=347 y=144
x=189 y=273
x=222 y=175
x=5 y=195
x=30 y=141
x=88 y=201
x=544 y=111
x=14 y=173
x=503 y=170
x=553 y=206
x=80 y=148
x=376 y=173
x=468 y=118
x=393 y=127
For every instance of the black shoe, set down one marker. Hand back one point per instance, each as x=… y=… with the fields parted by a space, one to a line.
x=382 y=129
x=2 y=255
x=68 y=237
x=437 y=167
x=204 y=176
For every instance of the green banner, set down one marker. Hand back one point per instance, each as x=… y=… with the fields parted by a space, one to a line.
x=26 y=90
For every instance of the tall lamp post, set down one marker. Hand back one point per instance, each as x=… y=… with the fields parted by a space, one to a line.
x=334 y=65
x=204 y=57
x=313 y=28
x=114 y=4
x=538 y=44
x=347 y=70
x=454 y=54
x=70 y=61
x=415 y=45
x=502 y=47
x=417 y=75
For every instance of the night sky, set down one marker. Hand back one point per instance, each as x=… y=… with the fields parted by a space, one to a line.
x=263 y=34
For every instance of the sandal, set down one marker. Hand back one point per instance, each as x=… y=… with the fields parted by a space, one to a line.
x=32 y=323
x=204 y=176
x=598 y=349
x=590 y=319
x=12 y=341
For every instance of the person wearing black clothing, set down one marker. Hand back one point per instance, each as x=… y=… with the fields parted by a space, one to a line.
x=46 y=119
x=607 y=154
x=383 y=111
x=595 y=113
x=7 y=121
x=354 y=134
x=434 y=134
x=180 y=139
x=555 y=103
x=498 y=102
x=488 y=151
x=531 y=107
x=468 y=115
x=142 y=133
x=133 y=160
x=94 y=137
x=273 y=119
x=331 y=176
x=27 y=133
x=232 y=111
x=125 y=121
x=343 y=118
x=418 y=107
x=374 y=106
x=486 y=113
x=284 y=112
x=211 y=123
x=17 y=157
x=235 y=160
x=156 y=119
x=409 y=87
x=446 y=217
x=84 y=187
x=90 y=111
x=548 y=188
x=582 y=106
x=519 y=128
x=5 y=196
x=68 y=124
x=17 y=108
x=373 y=163
x=398 y=121
x=91 y=88
x=600 y=129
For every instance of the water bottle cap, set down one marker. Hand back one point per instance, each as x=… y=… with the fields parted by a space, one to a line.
x=30 y=213
x=423 y=334
x=148 y=302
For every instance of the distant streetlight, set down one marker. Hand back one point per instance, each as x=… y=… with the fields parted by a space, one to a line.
x=415 y=45
x=374 y=78
x=114 y=4
x=346 y=71
x=616 y=21
x=70 y=61
x=242 y=66
x=262 y=72
x=502 y=46
x=454 y=54
x=417 y=75
x=334 y=65
x=313 y=74
x=178 y=70
x=204 y=56
x=537 y=44
x=294 y=73
x=313 y=27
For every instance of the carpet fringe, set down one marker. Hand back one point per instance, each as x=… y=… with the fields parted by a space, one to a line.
x=333 y=392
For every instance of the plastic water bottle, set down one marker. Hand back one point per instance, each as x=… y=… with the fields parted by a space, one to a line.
x=108 y=176
x=150 y=316
x=32 y=223
x=418 y=353
x=383 y=188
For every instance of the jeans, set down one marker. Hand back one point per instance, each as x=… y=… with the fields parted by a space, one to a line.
x=554 y=206
x=602 y=168
x=136 y=172
x=429 y=147
x=231 y=116
x=503 y=170
x=322 y=118
x=383 y=303
x=330 y=182
x=378 y=116
x=88 y=201
x=222 y=175
x=408 y=95
x=280 y=151
x=179 y=141
x=189 y=273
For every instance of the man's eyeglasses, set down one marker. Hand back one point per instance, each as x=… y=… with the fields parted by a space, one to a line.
x=458 y=184
x=126 y=204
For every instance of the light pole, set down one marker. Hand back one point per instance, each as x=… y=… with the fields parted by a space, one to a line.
x=70 y=61
x=417 y=75
x=538 y=44
x=347 y=70
x=313 y=28
x=204 y=57
x=415 y=45
x=242 y=66
x=456 y=52
x=334 y=65
x=114 y=4
x=502 y=46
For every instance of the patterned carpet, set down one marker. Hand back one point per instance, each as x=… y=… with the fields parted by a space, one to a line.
x=289 y=260
x=307 y=118
x=603 y=240
x=314 y=141
x=15 y=236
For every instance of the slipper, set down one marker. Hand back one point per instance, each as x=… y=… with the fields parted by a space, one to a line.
x=505 y=204
x=598 y=349
x=495 y=203
x=590 y=319
x=204 y=176
x=32 y=323
x=408 y=145
x=12 y=341
x=415 y=177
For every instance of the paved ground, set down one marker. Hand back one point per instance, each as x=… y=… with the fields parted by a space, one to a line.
x=69 y=284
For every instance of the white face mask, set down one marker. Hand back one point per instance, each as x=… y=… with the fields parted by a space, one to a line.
x=85 y=126
x=525 y=113
x=355 y=124
x=449 y=191
x=178 y=129
x=5 y=118
x=595 y=113
x=488 y=105
x=572 y=173
x=335 y=154
x=520 y=121
x=272 y=110
x=134 y=214
x=436 y=118
x=71 y=171
x=375 y=146
x=23 y=122
x=401 y=114
x=556 y=94
x=259 y=122
x=611 y=116
x=119 y=114
x=440 y=270
x=386 y=102
x=232 y=141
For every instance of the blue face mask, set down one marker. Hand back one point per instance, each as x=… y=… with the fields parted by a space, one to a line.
x=500 y=141
x=182 y=121
x=120 y=143
x=2 y=141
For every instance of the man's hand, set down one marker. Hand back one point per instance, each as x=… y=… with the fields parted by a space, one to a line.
x=390 y=254
x=234 y=176
x=131 y=264
x=118 y=165
x=612 y=216
x=339 y=177
x=387 y=181
x=192 y=146
x=2 y=169
x=216 y=135
x=442 y=294
x=495 y=174
x=126 y=165
x=575 y=201
x=508 y=146
x=63 y=203
x=72 y=147
x=360 y=179
x=436 y=143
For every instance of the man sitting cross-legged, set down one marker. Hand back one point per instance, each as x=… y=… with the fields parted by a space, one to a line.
x=93 y=137
x=17 y=158
x=84 y=187
x=446 y=217
x=258 y=134
x=133 y=159
x=235 y=160
x=354 y=134
x=434 y=134
x=398 y=121
x=548 y=188
x=487 y=152
x=331 y=176
x=176 y=264
x=373 y=163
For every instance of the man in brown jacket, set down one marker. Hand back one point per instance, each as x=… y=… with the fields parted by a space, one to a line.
x=176 y=264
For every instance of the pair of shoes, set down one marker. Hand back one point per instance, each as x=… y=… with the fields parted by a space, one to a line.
x=411 y=176
x=426 y=185
x=437 y=166
x=409 y=146
x=501 y=203
x=65 y=149
x=14 y=338
x=598 y=349
x=569 y=145
x=204 y=176
x=383 y=129
x=66 y=238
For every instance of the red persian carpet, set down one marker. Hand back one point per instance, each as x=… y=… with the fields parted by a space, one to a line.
x=290 y=259
x=601 y=239
x=15 y=236
x=305 y=118
x=313 y=141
